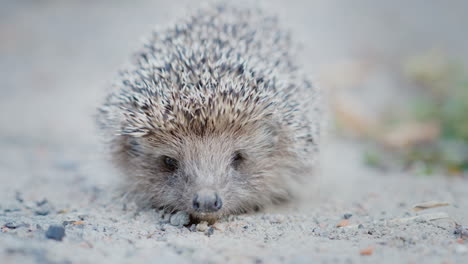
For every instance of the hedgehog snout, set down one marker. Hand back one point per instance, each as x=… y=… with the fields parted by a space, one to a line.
x=207 y=201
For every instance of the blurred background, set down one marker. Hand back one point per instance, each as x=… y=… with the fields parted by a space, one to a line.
x=394 y=72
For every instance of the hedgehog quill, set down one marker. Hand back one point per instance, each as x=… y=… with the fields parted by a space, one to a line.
x=213 y=116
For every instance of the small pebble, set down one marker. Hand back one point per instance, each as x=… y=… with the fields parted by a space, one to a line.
x=42 y=202
x=11 y=210
x=42 y=211
x=11 y=225
x=461 y=231
x=193 y=228
x=165 y=218
x=210 y=231
x=180 y=219
x=277 y=219
x=55 y=232
x=19 y=197
x=82 y=217
x=347 y=216
x=202 y=226
x=65 y=223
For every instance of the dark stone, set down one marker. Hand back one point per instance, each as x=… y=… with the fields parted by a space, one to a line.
x=82 y=217
x=210 y=231
x=65 y=223
x=193 y=228
x=11 y=210
x=19 y=197
x=461 y=231
x=347 y=216
x=11 y=225
x=42 y=211
x=55 y=232
x=42 y=202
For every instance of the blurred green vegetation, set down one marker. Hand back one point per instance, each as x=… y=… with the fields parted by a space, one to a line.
x=442 y=100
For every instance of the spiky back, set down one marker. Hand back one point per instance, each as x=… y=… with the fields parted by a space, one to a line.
x=220 y=67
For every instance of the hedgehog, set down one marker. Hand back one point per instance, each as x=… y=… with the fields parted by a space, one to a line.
x=213 y=116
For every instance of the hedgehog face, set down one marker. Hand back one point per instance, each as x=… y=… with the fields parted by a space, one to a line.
x=208 y=175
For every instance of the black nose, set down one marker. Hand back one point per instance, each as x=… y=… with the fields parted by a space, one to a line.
x=207 y=202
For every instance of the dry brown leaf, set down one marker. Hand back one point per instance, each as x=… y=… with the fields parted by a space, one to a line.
x=367 y=251
x=408 y=135
x=429 y=205
x=78 y=223
x=343 y=223
x=218 y=227
x=353 y=117
x=423 y=217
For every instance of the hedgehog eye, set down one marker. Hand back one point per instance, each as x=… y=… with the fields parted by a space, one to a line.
x=170 y=164
x=237 y=159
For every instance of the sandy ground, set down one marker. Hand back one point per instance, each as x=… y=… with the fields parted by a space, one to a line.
x=56 y=57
